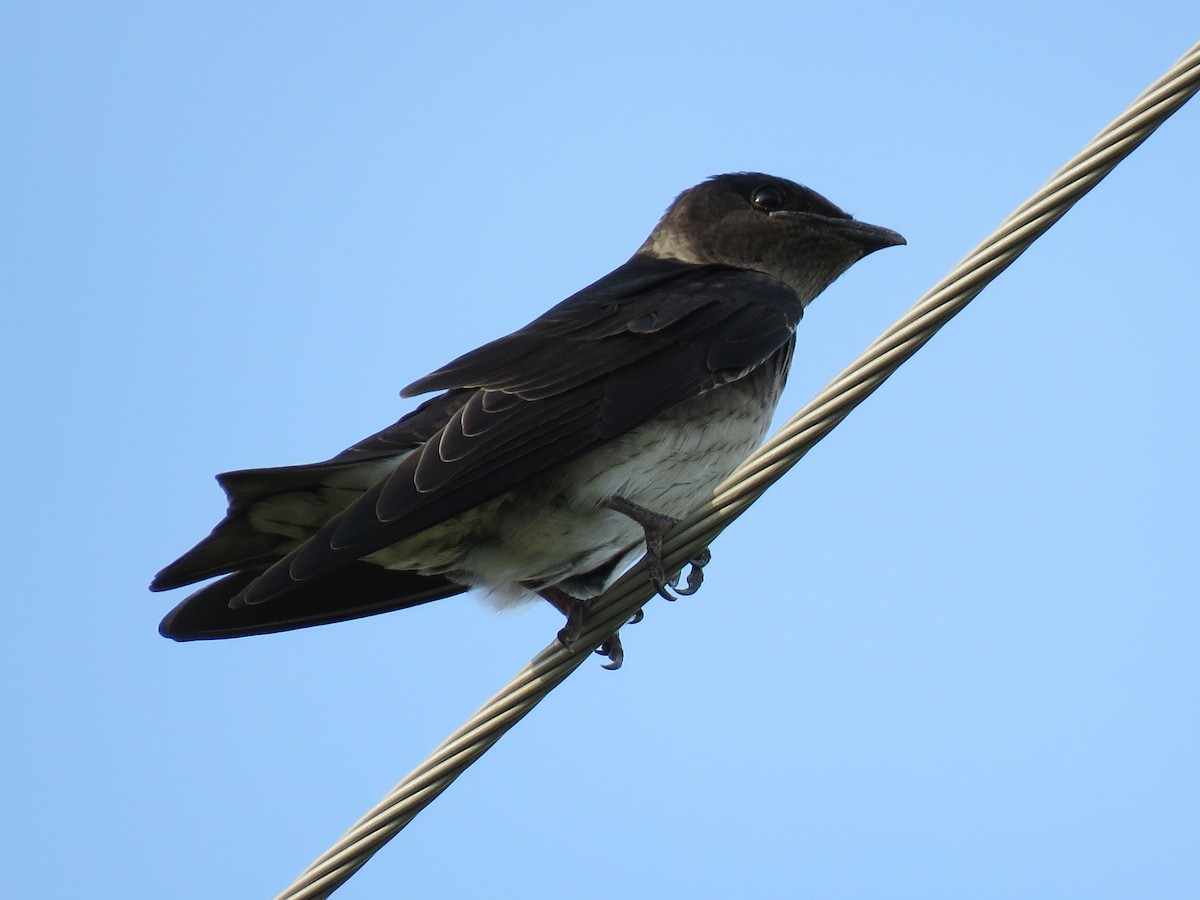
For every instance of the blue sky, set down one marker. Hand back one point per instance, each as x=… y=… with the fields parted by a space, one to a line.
x=953 y=654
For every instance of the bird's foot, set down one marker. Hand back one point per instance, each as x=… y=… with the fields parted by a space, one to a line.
x=656 y=525
x=575 y=610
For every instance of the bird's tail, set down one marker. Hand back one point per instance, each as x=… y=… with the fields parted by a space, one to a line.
x=353 y=591
x=271 y=512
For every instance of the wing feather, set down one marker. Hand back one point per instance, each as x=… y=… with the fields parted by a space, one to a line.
x=601 y=363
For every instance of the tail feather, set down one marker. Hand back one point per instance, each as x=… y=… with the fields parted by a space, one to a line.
x=244 y=487
x=233 y=545
x=271 y=512
x=353 y=591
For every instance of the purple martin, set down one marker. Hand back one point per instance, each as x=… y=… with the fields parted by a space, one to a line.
x=551 y=458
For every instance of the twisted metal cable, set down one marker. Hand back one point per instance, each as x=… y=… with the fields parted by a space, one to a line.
x=765 y=466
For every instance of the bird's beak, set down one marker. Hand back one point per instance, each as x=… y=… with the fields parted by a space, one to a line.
x=869 y=237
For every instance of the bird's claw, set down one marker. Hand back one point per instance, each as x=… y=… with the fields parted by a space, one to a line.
x=567 y=636
x=612 y=647
x=614 y=651
x=695 y=578
x=695 y=574
x=663 y=587
x=570 y=632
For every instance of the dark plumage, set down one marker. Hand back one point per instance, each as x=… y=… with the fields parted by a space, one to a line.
x=643 y=390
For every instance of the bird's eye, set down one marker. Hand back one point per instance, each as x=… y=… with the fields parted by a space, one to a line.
x=767 y=197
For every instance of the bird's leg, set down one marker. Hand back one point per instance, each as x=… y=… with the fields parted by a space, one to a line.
x=656 y=525
x=571 y=607
x=575 y=609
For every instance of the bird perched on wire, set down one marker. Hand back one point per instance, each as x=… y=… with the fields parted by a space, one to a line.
x=552 y=457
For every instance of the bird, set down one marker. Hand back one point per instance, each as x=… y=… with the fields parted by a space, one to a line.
x=550 y=459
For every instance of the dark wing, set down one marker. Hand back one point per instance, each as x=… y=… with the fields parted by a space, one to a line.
x=652 y=334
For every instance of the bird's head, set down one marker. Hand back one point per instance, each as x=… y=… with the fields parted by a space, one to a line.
x=768 y=224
